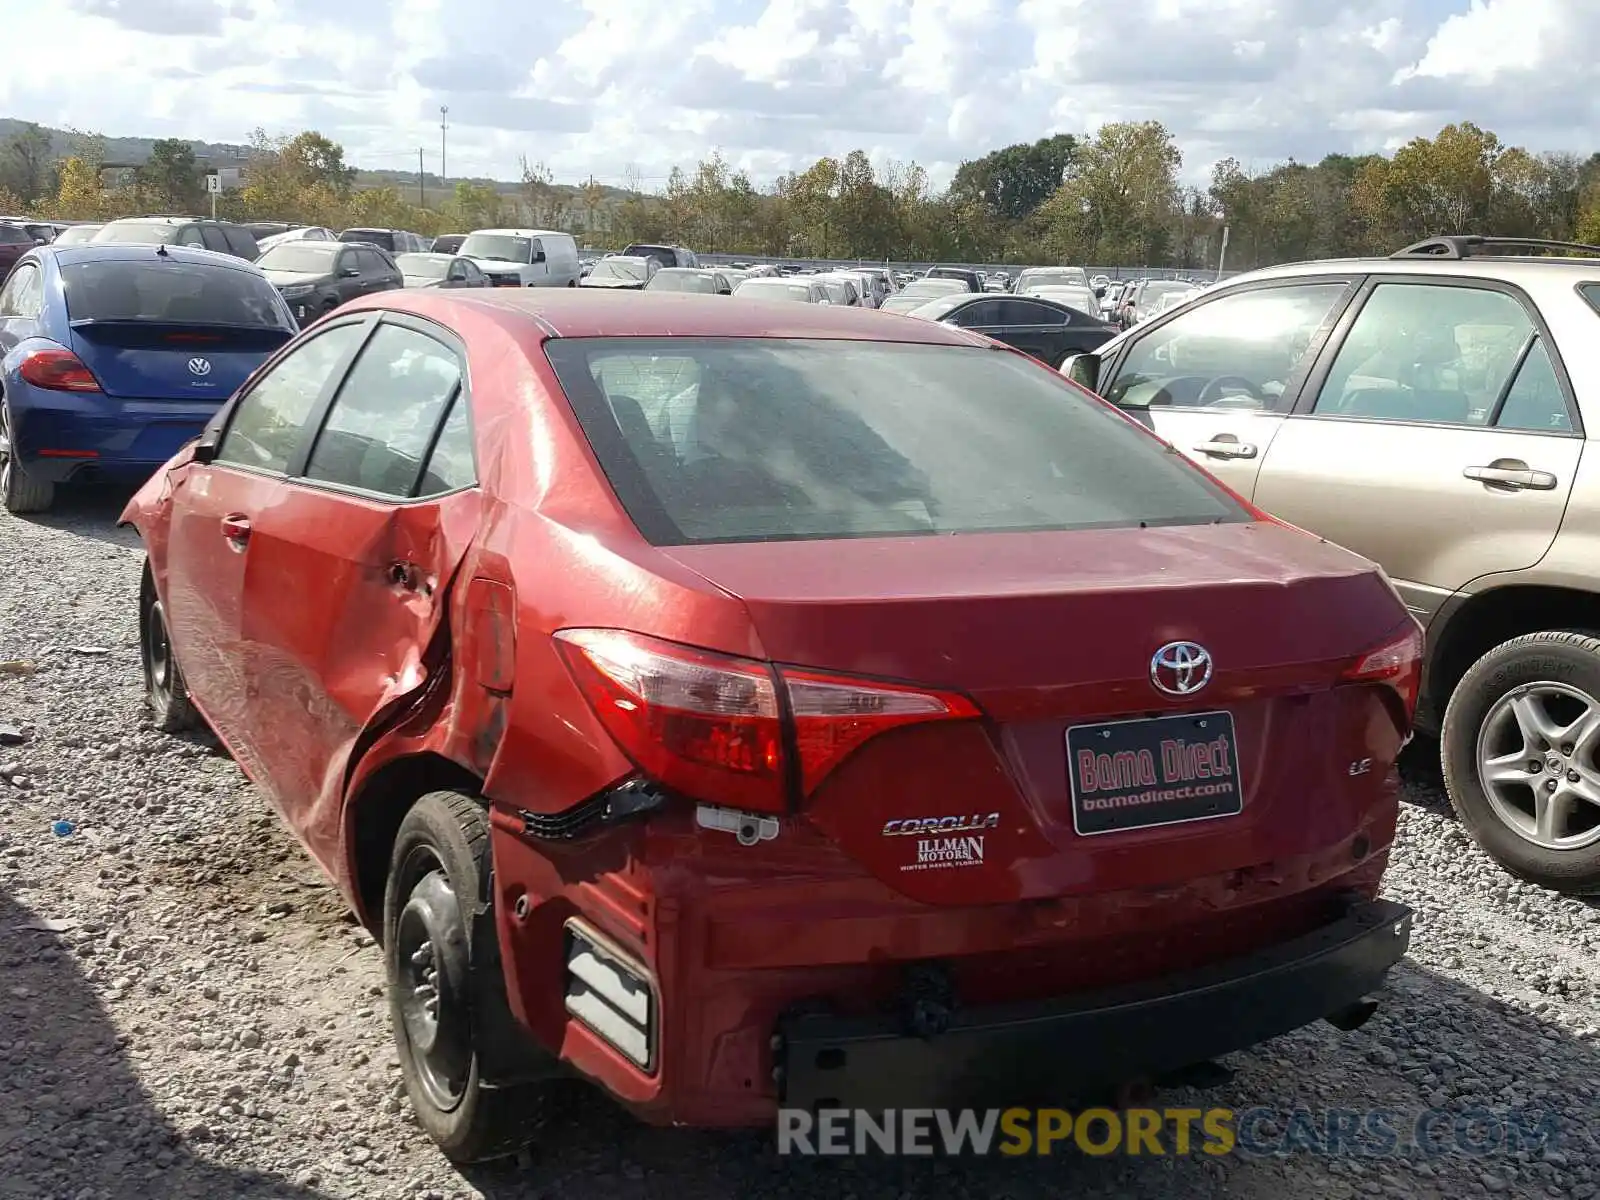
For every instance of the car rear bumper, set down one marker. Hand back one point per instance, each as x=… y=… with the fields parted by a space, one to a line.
x=59 y=436
x=1068 y=1048
x=1109 y=986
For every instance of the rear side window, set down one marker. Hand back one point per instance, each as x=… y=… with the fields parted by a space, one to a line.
x=213 y=238
x=1591 y=293
x=267 y=426
x=180 y=292
x=240 y=242
x=450 y=465
x=380 y=427
x=12 y=235
x=729 y=440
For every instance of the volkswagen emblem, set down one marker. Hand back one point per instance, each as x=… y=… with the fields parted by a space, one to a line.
x=1180 y=668
x=199 y=366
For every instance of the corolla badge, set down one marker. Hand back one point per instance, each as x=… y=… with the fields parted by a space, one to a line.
x=200 y=366
x=1180 y=668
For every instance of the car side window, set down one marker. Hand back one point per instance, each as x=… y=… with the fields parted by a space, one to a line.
x=1535 y=402
x=267 y=425
x=1026 y=312
x=1240 y=350
x=345 y=260
x=985 y=312
x=373 y=263
x=380 y=424
x=189 y=235
x=23 y=294
x=1427 y=352
x=450 y=465
x=211 y=235
x=535 y=250
x=240 y=242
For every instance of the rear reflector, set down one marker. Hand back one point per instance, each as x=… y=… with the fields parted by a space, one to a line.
x=1397 y=662
x=716 y=728
x=57 y=371
x=610 y=995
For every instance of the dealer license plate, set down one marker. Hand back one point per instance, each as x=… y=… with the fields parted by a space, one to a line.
x=1154 y=771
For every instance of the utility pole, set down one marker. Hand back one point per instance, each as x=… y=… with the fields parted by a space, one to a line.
x=1222 y=258
x=444 y=133
x=422 y=186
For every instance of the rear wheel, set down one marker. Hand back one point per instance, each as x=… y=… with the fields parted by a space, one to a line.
x=19 y=493
x=438 y=879
x=1521 y=741
x=164 y=689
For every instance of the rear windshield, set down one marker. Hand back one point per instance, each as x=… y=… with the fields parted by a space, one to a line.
x=620 y=268
x=737 y=440
x=422 y=266
x=157 y=233
x=665 y=255
x=13 y=234
x=674 y=281
x=773 y=289
x=1053 y=276
x=181 y=293
x=378 y=237
x=300 y=257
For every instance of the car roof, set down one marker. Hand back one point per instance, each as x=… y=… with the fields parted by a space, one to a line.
x=683 y=270
x=83 y=252
x=527 y=233
x=586 y=313
x=1514 y=268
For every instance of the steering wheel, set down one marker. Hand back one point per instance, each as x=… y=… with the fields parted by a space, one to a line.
x=1212 y=392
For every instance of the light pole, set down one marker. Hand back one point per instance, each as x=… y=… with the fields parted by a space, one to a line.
x=444 y=134
x=1222 y=258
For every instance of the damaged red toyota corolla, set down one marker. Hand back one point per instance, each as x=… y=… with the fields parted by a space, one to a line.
x=754 y=705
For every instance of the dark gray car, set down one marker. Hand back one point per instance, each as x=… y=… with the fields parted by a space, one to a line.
x=316 y=277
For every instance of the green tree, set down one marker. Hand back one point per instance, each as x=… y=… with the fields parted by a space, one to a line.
x=314 y=160
x=1014 y=181
x=1118 y=198
x=475 y=206
x=170 y=177
x=539 y=194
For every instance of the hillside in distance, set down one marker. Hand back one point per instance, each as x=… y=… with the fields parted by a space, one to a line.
x=131 y=151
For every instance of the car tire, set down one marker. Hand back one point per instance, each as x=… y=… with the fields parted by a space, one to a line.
x=437 y=887
x=20 y=494
x=1558 y=673
x=165 y=691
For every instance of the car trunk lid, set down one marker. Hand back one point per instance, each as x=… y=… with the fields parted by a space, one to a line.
x=181 y=362
x=1055 y=636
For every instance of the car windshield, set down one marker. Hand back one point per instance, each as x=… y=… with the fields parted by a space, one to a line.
x=300 y=258
x=1053 y=277
x=76 y=235
x=422 y=266
x=773 y=289
x=767 y=439
x=499 y=247
x=683 y=281
x=630 y=269
x=930 y=288
x=175 y=292
x=155 y=233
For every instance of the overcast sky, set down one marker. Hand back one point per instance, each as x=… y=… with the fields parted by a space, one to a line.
x=594 y=86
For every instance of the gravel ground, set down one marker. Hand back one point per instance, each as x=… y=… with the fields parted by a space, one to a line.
x=186 y=1010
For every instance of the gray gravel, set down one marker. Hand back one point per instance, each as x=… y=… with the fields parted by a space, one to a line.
x=186 y=1009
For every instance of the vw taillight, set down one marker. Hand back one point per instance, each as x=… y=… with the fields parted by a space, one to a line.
x=725 y=730
x=57 y=371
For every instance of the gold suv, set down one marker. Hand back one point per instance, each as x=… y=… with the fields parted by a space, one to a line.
x=1430 y=411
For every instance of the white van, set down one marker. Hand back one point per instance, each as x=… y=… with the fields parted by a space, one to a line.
x=524 y=257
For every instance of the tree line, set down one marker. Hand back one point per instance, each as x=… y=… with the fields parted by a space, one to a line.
x=1114 y=198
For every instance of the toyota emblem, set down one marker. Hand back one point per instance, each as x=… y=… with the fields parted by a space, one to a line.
x=199 y=366
x=1180 y=668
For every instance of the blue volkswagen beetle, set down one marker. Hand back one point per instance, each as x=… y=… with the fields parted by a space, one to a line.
x=113 y=356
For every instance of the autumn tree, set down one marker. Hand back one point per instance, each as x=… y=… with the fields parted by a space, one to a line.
x=1118 y=197
x=539 y=194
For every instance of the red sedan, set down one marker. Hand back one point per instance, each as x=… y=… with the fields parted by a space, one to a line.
x=767 y=705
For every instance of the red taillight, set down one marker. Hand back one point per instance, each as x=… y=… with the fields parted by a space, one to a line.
x=1397 y=662
x=57 y=371
x=716 y=727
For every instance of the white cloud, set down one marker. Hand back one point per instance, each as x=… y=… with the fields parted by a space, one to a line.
x=602 y=86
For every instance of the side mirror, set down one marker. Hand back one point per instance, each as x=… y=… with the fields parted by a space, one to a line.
x=1083 y=370
x=205 y=450
x=350 y=273
x=40 y=242
x=1100 y=292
